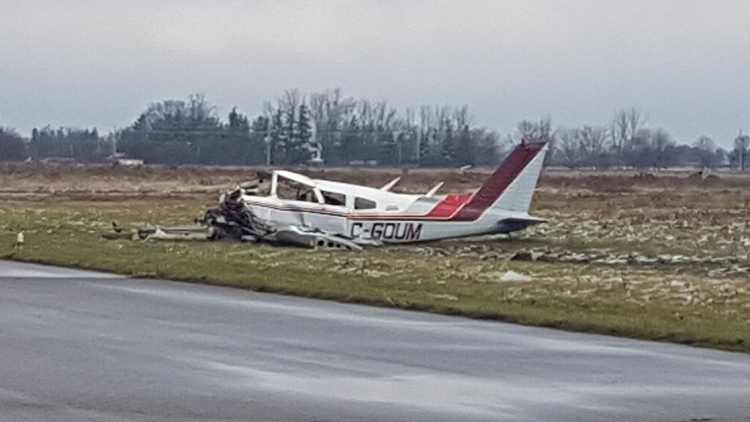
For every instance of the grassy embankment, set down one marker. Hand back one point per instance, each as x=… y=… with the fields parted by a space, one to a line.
x=453 y=278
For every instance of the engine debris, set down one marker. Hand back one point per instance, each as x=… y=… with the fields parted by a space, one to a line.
x=232 y=220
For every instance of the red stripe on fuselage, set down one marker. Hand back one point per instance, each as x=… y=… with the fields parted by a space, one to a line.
x=448 y=206
x=377 y=217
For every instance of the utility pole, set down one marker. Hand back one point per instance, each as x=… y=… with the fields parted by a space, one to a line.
x=268 y=141
x=268 y=147
x=399 y=144
x=741 y=143
x=419 y=147
x=742 y=151
x=742 y=160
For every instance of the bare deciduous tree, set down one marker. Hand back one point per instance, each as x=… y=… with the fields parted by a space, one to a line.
x=704 y=152
x=569 y=147
x=624 y=128
x=661 y=141
x=593 y=141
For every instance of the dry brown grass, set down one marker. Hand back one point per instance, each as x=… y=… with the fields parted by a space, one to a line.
x=181 y=180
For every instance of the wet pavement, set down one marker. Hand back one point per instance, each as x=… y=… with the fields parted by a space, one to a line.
x=79 y=346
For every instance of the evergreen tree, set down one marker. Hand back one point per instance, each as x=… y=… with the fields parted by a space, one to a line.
x=238 y=122
x=298 y=146
x=304 y=124
x=278 y=137
x=466 y=147
x=12 y=146
x=448 y=144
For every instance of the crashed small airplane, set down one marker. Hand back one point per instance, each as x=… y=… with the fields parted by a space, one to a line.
x=296 y=209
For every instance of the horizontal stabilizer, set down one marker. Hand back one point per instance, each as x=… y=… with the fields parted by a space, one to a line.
x=512 y=224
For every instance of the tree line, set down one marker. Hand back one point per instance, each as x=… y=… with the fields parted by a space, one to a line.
x=328 y=127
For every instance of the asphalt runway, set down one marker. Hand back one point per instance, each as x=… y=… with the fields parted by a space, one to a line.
x=81 y=346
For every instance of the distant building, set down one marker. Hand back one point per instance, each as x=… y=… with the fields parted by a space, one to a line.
x=120 y=159
x=129 y=162
x=57 y=160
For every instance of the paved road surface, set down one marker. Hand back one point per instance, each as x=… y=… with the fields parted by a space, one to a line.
x=80 y=346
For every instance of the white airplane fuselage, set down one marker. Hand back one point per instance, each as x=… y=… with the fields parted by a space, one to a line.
x=369 y=214
x=387 y=228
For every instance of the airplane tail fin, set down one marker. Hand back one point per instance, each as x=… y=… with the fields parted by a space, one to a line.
x=511 y=187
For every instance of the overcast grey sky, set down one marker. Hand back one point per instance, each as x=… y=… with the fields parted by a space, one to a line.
x=100 y=63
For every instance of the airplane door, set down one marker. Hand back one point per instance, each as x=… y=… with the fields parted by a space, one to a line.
x=329 y=218
x=330 y=214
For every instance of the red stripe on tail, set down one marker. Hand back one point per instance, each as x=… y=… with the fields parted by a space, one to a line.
x=499 y=181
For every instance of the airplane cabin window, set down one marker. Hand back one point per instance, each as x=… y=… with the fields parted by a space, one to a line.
x=364 y=204
x=334 y=198
x=291 y=190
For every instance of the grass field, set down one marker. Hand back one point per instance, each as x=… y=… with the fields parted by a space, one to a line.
x=661 y=257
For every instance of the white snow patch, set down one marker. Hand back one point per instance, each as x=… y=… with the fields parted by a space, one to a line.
x=514 y=276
